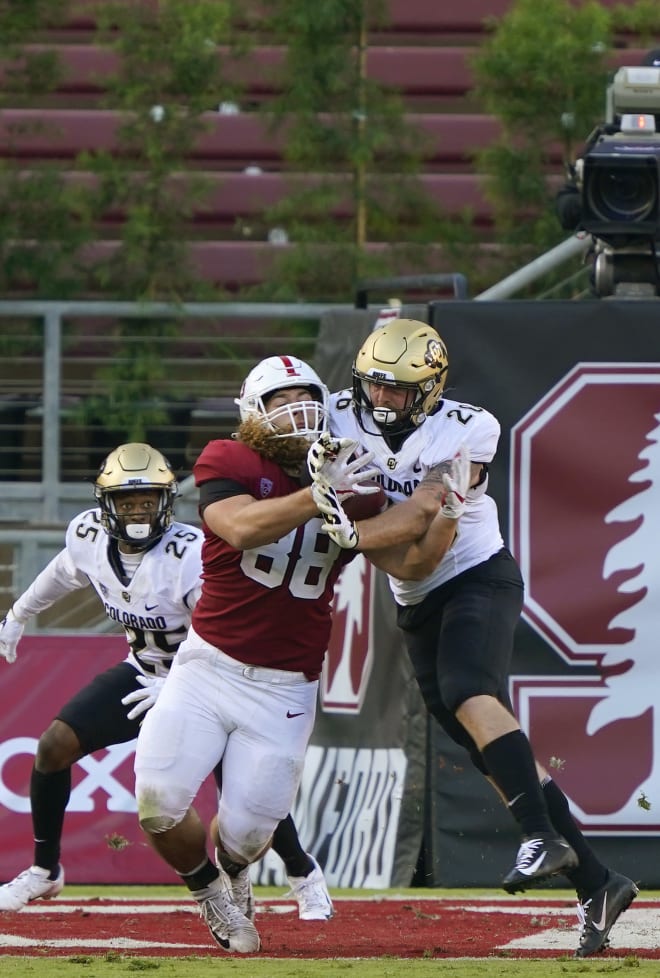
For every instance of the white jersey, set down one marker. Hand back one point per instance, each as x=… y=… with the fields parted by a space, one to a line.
x=436 y=440
x=154 y=607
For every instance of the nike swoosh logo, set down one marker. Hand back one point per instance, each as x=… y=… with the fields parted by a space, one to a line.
x=600 y=924
x=534 y=866
x=150 y=607
x=290 y=715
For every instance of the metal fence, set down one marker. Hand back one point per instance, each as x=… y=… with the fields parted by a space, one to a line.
x=78 y=378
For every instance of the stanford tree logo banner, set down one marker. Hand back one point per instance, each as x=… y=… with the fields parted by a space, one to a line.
x=585 y=526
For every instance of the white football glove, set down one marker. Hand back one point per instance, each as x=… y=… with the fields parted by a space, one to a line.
x=11 y=630
x=145 y=698
x=456 y=482
x=336 y=523
x=328 y=459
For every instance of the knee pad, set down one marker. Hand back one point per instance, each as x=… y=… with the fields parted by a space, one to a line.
x=460 y=736
x=247 y=834
x=159 y=810
x=156 y=824
x=455 y=689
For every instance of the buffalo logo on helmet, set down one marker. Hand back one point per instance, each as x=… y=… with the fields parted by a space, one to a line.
x=436 y=353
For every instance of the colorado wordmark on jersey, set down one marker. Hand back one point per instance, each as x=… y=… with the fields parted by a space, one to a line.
x=154 y=608
x=436 y=440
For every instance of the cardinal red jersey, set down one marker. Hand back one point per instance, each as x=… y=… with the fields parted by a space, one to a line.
x=270 y=606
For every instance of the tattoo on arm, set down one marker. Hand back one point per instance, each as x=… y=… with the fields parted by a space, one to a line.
x=433 y=478
x=433 y=481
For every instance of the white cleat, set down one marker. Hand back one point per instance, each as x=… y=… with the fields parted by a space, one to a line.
x=31 y=884
x=311 y=892
x=241 y=888
x=232 y=930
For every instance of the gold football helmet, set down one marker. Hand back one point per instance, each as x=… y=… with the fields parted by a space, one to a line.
x=131 y=468
x=404 y=354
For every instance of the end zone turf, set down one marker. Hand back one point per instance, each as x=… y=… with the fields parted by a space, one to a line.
x=400 y=927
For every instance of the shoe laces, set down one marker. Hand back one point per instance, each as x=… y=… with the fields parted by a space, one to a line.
x=310 y=891
x=242 y=891
x=212 y=912
x=30 y=879
x=220 y=906
x=582 y=909
x=528 y=851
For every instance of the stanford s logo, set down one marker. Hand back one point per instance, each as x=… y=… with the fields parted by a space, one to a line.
x=585 y=519
x=348 y=661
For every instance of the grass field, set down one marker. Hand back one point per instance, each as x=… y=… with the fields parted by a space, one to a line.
x=119 y=966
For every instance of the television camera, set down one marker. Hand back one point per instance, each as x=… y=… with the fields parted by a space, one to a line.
x=619 y=182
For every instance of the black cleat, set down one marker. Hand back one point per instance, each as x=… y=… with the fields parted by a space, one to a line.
x=599 y=912
x=539 y=858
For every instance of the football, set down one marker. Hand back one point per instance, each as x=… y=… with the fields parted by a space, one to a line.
x=361 y=506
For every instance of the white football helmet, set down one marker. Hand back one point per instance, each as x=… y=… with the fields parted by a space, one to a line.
x=301 y=419
x=131 y=468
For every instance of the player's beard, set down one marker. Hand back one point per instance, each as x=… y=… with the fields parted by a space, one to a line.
x=290 y=453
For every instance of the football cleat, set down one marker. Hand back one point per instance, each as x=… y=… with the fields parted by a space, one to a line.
x=32 y=884
x=539 y=857
x=241 y=885
x=241 y=888
x=311 y=893
x=599 y=912
x=230 y=928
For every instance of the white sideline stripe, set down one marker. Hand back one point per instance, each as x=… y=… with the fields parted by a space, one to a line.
x=11 y=940
x=540 y=911
x=52 y=906
x=48 y=907
x=375 y=898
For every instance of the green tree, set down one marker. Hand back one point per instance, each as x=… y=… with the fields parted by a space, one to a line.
x=543 y=72
x=641 y=18
x=41 y=232
x=170 y=75
x=347 y=142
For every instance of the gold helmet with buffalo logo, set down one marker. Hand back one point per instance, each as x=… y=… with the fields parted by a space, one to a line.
x=404 y=354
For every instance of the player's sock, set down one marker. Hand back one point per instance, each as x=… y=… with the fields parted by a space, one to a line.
x=590 y=874
x=287 y=846
x=511 y=765
x=202 y=876
x=49 y=796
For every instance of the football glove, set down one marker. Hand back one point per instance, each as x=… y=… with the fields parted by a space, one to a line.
x=336 y=523
x=11 y=630
x=145 y=698
x=456 y=482
x=328 y=459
